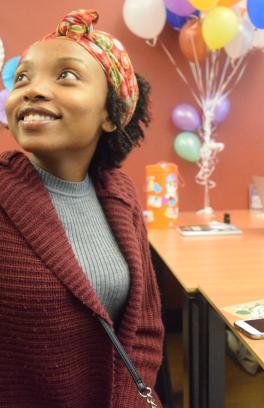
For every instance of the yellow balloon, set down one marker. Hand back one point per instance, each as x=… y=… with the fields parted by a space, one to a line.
x=204 y=4
x=227 y=3
x=220 y=27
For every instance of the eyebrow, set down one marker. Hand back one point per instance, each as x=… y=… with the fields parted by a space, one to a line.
x=61 y=59
x=66 y=59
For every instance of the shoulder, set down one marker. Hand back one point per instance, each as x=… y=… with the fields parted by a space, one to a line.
x=5 y=158
x=124 y=182
x=17 y=175
x=8 y=157
x=128 y=189
x=5 y=164
x=117 y=183
x=14 y=167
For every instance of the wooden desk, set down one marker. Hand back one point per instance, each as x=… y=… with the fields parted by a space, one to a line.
x=226 y=270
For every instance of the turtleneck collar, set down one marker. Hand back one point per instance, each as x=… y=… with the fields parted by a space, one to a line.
x=64 y=187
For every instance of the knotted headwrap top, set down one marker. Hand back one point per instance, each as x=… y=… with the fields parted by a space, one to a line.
x=107 y=50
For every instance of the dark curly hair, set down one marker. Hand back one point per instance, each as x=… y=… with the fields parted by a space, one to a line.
x=114 y=147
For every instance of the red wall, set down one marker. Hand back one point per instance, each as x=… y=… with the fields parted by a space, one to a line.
x=21 y=23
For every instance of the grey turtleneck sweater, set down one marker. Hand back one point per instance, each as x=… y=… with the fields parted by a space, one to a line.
x=91 y=238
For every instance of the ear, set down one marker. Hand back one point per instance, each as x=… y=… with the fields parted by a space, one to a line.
x=107 y=125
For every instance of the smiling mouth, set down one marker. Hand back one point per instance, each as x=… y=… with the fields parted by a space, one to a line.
x=36 y=118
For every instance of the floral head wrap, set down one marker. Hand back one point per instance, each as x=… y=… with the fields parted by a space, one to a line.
x=107 y=50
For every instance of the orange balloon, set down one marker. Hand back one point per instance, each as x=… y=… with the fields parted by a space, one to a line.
x=227 y=3
x=191 y=41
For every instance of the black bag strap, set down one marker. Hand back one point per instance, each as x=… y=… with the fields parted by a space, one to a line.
x=144 y=391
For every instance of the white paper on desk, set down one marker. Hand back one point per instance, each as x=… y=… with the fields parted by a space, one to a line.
x=259 y=183
x=212 y=228
x=249 y=310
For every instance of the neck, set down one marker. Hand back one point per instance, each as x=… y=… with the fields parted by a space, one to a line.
x=69 y=169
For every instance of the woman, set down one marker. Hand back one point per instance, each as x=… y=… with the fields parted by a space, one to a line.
x=73 y=243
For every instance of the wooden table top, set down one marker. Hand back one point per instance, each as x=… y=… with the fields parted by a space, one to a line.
x=227 y=270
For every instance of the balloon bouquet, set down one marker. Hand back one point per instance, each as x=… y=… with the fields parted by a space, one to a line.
x=215 y=36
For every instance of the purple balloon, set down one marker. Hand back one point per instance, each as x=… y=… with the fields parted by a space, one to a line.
x=186 y=117
x=180 y=7
x=221 y=110
x=3 y=97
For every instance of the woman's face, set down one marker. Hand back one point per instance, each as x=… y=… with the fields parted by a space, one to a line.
x=58 y=100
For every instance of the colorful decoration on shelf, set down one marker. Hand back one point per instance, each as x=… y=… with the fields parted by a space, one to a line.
x=215 y=39
x=162 y=194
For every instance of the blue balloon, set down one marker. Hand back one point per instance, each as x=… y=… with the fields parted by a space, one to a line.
x=177 y=22
x=8 y=72
x=255 y=9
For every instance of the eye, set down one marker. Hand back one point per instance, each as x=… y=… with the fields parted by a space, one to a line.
x=68 y=75
x=20 y=77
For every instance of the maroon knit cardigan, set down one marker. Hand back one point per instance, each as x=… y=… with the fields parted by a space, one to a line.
x=53 y=352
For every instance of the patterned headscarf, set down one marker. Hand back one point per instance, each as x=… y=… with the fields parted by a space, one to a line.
x=107 y=50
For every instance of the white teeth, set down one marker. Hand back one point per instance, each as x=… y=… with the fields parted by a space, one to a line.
x=36 y=117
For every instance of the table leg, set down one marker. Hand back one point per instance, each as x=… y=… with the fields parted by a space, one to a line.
x=216 y=360
x=191 y=352
x=204 y=354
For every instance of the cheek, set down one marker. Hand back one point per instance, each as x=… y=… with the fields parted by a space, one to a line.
x=10 y=105
x=90 y=102
x=86 y=115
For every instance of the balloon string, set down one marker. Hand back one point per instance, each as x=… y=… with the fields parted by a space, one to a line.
x=214 y=72
x=197 y=78
x=179 y=72
x=152 y=42
x=231 y=76
x=207 y=83
x=211 y=83
x=223 y=75
x=197 y=68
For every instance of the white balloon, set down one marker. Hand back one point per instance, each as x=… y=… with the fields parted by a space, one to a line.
x=241 y=8
x=258 y=41
x=243 y=40
x=145 y=18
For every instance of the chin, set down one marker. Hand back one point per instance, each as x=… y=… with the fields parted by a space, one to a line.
x=33 y=144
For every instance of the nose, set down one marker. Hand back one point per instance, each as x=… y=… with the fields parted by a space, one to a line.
x=37 y=91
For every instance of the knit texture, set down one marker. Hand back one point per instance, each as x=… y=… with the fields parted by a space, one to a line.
x=53 y=352
x=91 y=238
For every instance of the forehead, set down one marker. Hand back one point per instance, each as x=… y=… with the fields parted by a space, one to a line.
x=51 y=51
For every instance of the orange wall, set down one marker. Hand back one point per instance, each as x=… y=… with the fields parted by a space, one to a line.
x=21 y=23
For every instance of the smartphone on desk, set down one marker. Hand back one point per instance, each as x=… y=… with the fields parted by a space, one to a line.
x=253 y=328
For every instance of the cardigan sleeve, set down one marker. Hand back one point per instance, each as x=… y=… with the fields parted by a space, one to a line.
x=151 y=332
x=147 y=350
